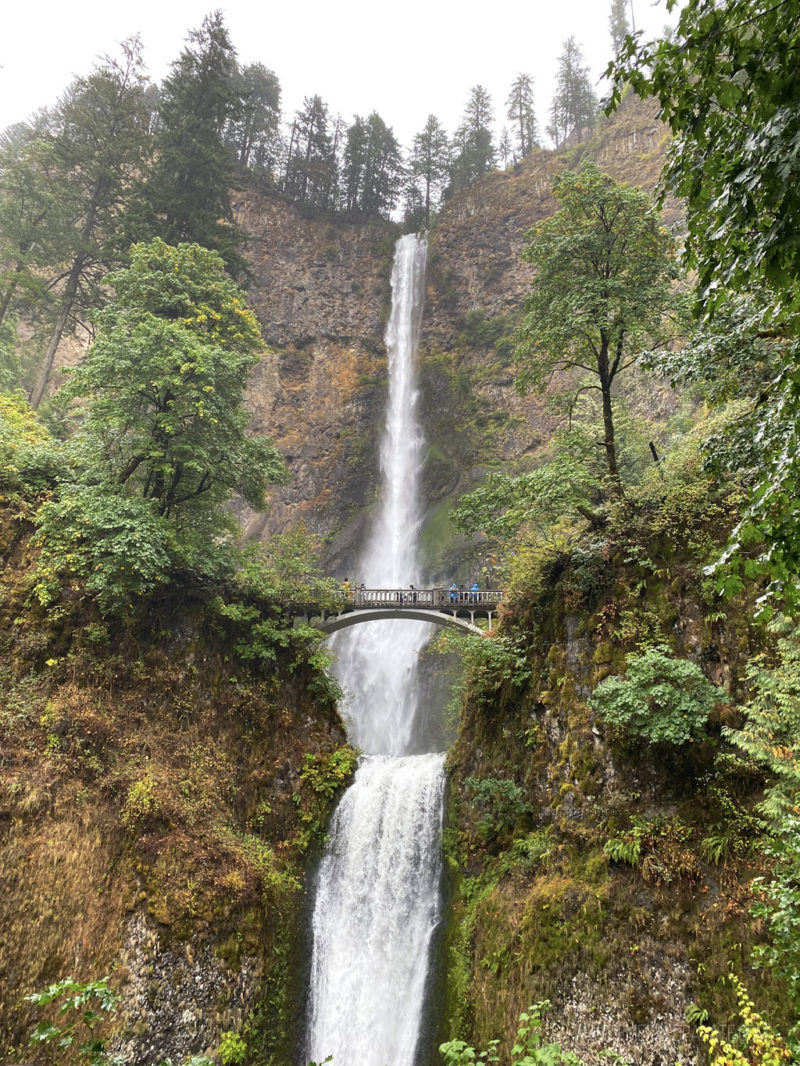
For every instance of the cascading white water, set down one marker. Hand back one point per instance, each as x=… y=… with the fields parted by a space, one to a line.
x=377 y=902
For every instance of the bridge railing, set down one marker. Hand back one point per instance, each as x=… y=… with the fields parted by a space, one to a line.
x=438 y=597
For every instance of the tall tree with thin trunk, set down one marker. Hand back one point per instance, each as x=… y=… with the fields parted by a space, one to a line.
x=253 y=131
x=428 y=168
x=604 y=266
x=32 y=223
x=311 y=165
x=473 y=146
x=99 y=145
x=574 y=106
x=618 y=25
x=521 y=114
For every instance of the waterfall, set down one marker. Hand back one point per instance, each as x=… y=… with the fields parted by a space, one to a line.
x=377 y=902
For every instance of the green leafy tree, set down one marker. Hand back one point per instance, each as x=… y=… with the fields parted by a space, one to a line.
x=505 y=503
x=726 y=87
x=574 y=106
x=473 y=146
x=520 y=112
x=98 y=144
x=604 y=267
x=163 y=443
x=189 y=187
x=660 y=699
x=165 y=382
x=428 y=169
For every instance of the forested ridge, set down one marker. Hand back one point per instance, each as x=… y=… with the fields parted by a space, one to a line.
x=622 y=828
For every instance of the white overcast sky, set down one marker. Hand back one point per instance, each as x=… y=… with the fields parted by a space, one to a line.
x=404 y=60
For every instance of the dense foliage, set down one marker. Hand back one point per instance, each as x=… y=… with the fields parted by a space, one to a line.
x=660 y=699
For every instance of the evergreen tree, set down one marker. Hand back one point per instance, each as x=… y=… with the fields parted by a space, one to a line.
x=253 y=132
x=189 y=188
x=428 y=168
x=98 y=144
x=521 y=113
x=311 y=173
x=473 y=147
x=31 y=222
x=618 y=24
x=371 y=168
x=574 y=105
x=504 y=148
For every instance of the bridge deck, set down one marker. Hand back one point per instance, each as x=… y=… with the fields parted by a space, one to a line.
x=436 y=598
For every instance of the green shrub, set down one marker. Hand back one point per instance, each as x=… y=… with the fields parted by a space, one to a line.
x=232 y=1049
x=660 y=699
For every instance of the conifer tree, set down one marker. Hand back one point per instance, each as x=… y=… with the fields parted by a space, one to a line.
x=253 y=132
x=311 y=172
x=371 y=168
x=574 y=104
x=618 y=25
x=31 y=222
x=521 y=113
x=428 y=168
x=189 y=188
x=473 y=146
x=98 y=142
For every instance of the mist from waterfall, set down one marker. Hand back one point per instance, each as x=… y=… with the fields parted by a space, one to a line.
x=378 y=901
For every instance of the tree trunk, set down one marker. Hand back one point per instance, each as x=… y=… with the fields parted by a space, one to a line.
x=609 y=443
x=67 y=302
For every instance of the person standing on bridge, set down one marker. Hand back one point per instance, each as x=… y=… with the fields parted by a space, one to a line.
x=413 y=596
x=453 y=593
x=474 y=590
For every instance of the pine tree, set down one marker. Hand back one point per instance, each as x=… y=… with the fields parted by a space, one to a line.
x=98 y=144
x=473 y=147
x=521 y=113
x=371 y=168
x=253 y=132
x=428 y=168
x=574 y=105
x=32 y=221
x=311 y=172
x=189 y=187
x=618 y=24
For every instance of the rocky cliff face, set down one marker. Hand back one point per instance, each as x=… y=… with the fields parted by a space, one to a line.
x=156 y=815
x=321 y=291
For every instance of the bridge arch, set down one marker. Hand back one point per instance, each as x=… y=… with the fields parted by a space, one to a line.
x=334 y=623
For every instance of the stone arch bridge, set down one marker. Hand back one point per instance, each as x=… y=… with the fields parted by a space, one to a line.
x=456 y=608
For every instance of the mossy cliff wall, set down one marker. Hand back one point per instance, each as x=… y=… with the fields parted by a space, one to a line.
x=539 y=908
x=154 y=823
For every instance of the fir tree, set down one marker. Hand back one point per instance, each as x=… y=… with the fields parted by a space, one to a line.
x=521 y=113
x=97 y=143
x=311 y=166
x=189 y=188
x=473 y=147
x=574 y=104
x=428 y=168
x=618 y=24
x=253 y=132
